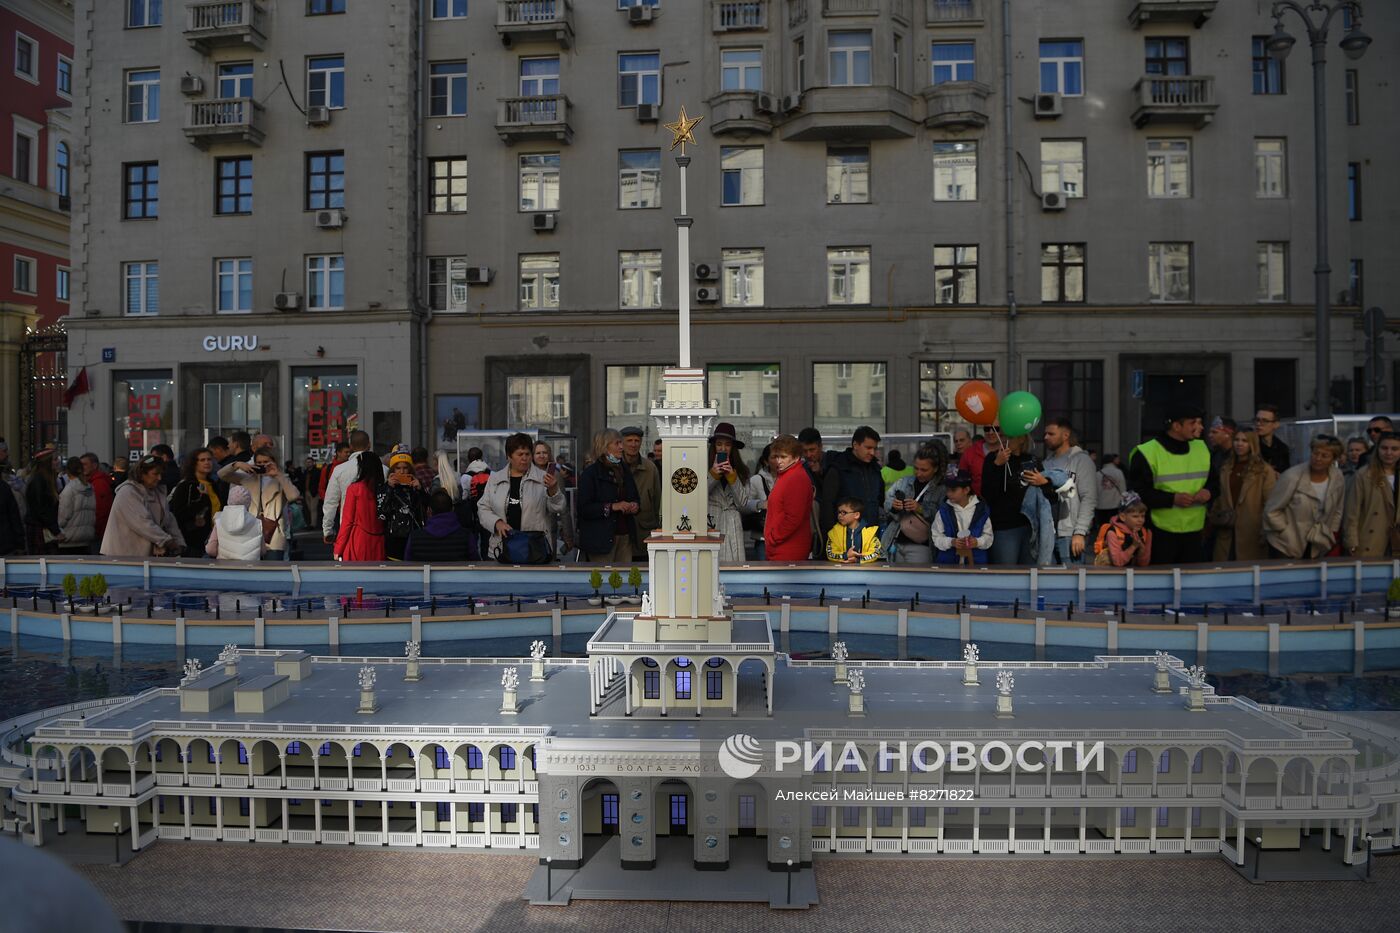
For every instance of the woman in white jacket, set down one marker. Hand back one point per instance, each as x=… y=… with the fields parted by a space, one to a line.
x=77 y=512
x=270 y=490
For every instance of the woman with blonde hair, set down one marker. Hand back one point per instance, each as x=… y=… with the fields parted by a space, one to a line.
x=1246 y=481
x=1371 y=524
x=1304 y=513
x=607 y=503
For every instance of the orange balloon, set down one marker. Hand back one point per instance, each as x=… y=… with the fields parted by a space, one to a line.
x=977 y=402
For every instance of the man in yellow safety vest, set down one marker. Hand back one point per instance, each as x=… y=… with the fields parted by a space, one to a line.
x=1172 y=474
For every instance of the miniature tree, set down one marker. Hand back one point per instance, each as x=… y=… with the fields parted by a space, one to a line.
x=99 y=586
x=85 y=588
x=615 y=581
x=1392 y=595
x=70 y=585
x=634 y=579
x=595 y=580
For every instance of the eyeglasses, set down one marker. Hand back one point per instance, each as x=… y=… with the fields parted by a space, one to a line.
x=1375 y=430
x=846 y=512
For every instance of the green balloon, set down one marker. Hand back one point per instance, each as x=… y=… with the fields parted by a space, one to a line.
x=1020 y=413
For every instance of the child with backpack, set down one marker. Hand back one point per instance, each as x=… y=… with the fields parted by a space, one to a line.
x=1125 y=539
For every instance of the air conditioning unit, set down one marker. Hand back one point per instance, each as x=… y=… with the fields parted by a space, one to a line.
x=191 y=85
x=1053 y=201
x=330 y=220
x=287 y=301
x=765 y=103
x=706 y=294
x=1049 y=106
x=639 y=15
x=704 y=272
x=544 y=223
x=792 y=102
x=647 y=113
x=318 y=116
x=479 y=275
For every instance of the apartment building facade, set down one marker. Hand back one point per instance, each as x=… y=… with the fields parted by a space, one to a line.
x=481 y=218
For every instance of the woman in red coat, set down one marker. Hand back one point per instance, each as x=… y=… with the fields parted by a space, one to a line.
x=787 y=532
x=361 y=535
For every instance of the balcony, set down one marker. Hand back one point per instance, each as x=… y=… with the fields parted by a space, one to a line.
x=1177 y=99
x=955 y=12
x=899 y=9
x=956 y=105
x=535 y=21
x=739 y=15
x=530 y=118
x=1195 y=12
x=840 y=113
x=215 y=24
x=742 y=112
x=235 y=120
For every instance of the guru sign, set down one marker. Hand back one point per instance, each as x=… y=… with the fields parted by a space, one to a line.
x=226 y=342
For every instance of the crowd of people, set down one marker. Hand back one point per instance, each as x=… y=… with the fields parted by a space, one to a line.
x=1191 y=493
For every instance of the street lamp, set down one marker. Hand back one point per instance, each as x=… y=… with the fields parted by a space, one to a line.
x=1317 y=17
x=1258 y=854
x=1368 y=856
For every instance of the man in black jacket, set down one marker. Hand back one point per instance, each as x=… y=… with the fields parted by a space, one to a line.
x=1273 y=451
x=855 y=473
x=442 y=539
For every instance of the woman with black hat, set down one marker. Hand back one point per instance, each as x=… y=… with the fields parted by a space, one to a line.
x=729 y=491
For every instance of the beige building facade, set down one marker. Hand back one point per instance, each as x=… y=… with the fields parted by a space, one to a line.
x=507 y=242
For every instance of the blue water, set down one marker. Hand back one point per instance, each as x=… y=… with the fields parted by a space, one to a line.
x=36 y=673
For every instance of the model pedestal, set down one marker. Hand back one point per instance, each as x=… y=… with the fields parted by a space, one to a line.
x=508 y=702
x=856 y=704
x=1004 y=707
x=411 y=674
x=1161 y=682
x=839 y=675
x=367 y=704
x=1195 y=699
x=970 y=675
x=231 y=669
x=537 y=671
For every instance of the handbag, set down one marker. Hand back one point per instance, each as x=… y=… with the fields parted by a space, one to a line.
x=524 y=547
x=269 y=525
x=915 y=528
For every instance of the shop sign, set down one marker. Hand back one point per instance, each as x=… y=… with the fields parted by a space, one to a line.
x=226 y=342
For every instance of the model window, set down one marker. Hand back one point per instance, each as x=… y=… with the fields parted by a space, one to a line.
x=1272 y=277
x=1062 y=167
x=1062 y=268
x=1268 y=71
x=61 y=283
x=1169 y=168
x=64 y=77
x=539 y=77
x=1168 y=273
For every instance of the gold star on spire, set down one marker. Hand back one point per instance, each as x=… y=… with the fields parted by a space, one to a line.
x=681 y=130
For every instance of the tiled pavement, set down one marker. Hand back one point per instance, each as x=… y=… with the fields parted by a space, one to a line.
x=429 y=891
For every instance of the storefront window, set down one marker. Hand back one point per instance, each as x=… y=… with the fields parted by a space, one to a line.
x=630 y=392
x=848 y=395
x=233 y=406
x=538 y=402
x=325 y=409
x=938 y=384
x=143 y=411
x=748 y=399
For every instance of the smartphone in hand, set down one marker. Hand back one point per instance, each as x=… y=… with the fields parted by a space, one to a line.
x=721 y=456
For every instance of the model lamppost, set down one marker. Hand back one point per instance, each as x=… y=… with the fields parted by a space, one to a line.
x=1258 y=855
x=1317 y=17
x=682 y=132
x=1368 y=856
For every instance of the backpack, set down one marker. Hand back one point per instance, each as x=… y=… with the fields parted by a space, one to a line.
x=478 y=485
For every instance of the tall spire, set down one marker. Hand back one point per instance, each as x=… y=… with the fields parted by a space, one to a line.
x=682 y=132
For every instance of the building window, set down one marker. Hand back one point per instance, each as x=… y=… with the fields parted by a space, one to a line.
x=61 y=283
x=848 y=275
x=476 y=813
x=1353 y=97
x=539 y=77
x=1353 y=191
x=848 y=395
x=447 y=283
x=233 y=281
x=143 y=95
x=848 y=58
x=539 y=182
x=63 y=78
x=626 y=388
x=142 y=287
x=234 y=406
x=638 y=178
x=447 y=89
x=609 y=813
x=1169 y=168
x=509 y=813
x=449 y=9
x=714 y=685
x=1276 y=383
x=1164 y=762
x=799 y=64
x=1195 y=817
x=448 y=177
x=1062 y=67
x=1268 y=71
x=141 y=193
x=819 y=817
x=736 y=403
x=325 y=283
x=640 y=279
x=507 y=758
x=746 y=398
x=743 y=278
x=235 y=80
x=848 y=175
x=938 y=383
x=25 y=277
x=235 y=185
x=955 y=275
x=325 y=81
x=850 y=816
x=1127 y=817
x=539 y=281
x=1270 y=168
x=1272 y=265
x=953 y=61
x=1062 y=269
x=683 y=685
x=325 y=180
x=26 y=166
x=1062 y=167
x=324 y=7
x=142 y=13
x=955 y=171
x=741 y=169
x=1075 y=389
x=651 y=685
x=1167 y=56
x=61 y=163
x=1169 y=271
x=26 y=58
x=896 y=55
x=1356 y=279
x=638 y=78
x=741 y=69
x=884 y=816
x=1130 y=761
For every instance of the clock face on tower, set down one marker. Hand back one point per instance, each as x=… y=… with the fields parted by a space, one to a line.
x=684 y=480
